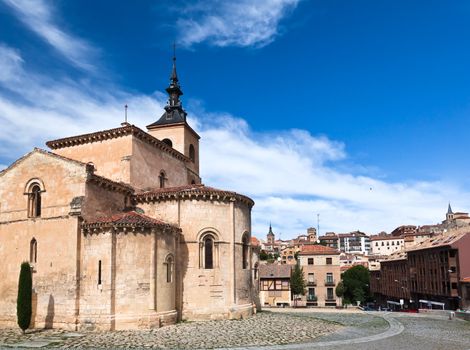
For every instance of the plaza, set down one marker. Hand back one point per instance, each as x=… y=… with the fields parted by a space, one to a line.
x=273 y=329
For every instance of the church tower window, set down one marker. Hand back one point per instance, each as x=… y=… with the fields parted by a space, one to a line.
x=168 y=142
x=162 y=179
x=208 y=252
x=192 y=153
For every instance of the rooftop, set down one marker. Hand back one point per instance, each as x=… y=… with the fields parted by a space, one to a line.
x=275 y=271
x=318 y=249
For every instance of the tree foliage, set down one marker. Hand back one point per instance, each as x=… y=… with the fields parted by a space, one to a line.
x=297 y=281
x=24 y=307
x=356 y=281
x=340 y=290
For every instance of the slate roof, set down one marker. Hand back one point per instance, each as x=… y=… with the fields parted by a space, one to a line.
x=275 y=271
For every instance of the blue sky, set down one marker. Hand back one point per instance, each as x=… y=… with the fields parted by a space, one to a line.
x=356 y=110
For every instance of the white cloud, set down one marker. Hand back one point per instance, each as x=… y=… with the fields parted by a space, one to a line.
x=292 y=175
x=37 y=15
x=10 y=63
x=233 y=23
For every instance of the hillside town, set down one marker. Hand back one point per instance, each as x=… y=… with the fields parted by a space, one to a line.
x=410 y=268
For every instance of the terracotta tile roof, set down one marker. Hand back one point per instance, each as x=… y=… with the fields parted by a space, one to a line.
x=399 y=255
x=384 y=238
x=255 y=241
x=128 y=219
x=110 y=184
x=191 y=191
x=275 y=271
x=441 y=240
x=465 y=280
x=317 y=249
x=115 y=133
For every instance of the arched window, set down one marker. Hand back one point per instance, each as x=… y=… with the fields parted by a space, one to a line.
x=193 y=182
x=208 y=252
x=245 y=250
x=255 y=271
x=169 y=269
x=162 y=179
x=34 y=201
x=33 y=251
x=168 y=142
x=192 y=153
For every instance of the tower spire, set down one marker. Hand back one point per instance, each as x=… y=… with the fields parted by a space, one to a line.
x=449 y=209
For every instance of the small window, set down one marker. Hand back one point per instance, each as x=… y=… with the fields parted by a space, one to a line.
x=245 y=251
x=329 y=261
x=33 y=251
x=192 y=153
x=169 y=269
x=99 y=272
x=310 y=261
x=208 y=252
x=168 y=142
x=162 y=179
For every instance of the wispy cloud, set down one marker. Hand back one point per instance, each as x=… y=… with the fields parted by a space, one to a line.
x=291 y=174
x=38 y=16
x=233 y=23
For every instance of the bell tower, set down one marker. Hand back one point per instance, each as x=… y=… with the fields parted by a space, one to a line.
x=172 y=127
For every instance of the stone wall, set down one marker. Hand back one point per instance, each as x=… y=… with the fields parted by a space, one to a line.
x=225 y=290
x=56 y=234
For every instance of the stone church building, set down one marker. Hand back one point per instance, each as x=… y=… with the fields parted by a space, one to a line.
x=121 y=233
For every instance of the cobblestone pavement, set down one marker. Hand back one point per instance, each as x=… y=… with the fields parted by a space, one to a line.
x=406 y=331
x=296 y=329
x=264 y=329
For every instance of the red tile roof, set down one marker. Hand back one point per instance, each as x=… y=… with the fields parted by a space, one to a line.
x=465 y=280
x=128 y=219
x=255 y=241
x=317 y=249
x=195 y=190
x=275 y=271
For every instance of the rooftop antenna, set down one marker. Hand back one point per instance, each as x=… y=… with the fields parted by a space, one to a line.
x=125 y=116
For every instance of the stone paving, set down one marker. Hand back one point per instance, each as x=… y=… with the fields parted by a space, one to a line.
x=264 y=329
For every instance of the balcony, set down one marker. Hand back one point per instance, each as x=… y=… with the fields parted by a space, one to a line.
x=311 y=282
x=312 y=298
x=330 y=297
x=330 y=282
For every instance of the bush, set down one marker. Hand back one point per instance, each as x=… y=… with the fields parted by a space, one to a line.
x=24 y=307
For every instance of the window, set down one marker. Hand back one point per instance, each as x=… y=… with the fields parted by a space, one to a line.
x=310 y=261
x=34 y=201
x=168 y=142
x=192 y=153
x=207 y=251
x=329 y=294
x=329 y=277
x=99 y=272
x=382 y=244
x=33 y=251
x=169 y=269
x=255 y=272
x=311 y=278
x=329 y=261
x=245 y=251
x=162 y=179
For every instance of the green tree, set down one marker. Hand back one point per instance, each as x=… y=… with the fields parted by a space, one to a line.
x=263 y=255
x=356 y=281
x=297 y=282
x=24 y=307
x=340 y=290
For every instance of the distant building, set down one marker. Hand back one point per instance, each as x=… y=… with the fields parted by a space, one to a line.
x=330 y=239
x=386 y=244
x=322 y=273
x=274 y=284
x=354 y=242
x=432 y=273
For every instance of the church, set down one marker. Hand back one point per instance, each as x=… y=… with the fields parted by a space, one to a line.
x=121 y=233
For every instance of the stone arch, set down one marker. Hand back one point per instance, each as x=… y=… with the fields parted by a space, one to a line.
x=168 y=142
x=169 y=265
x=208 y=241
x=192 y=153
x=162 y=178
x=34 y=189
